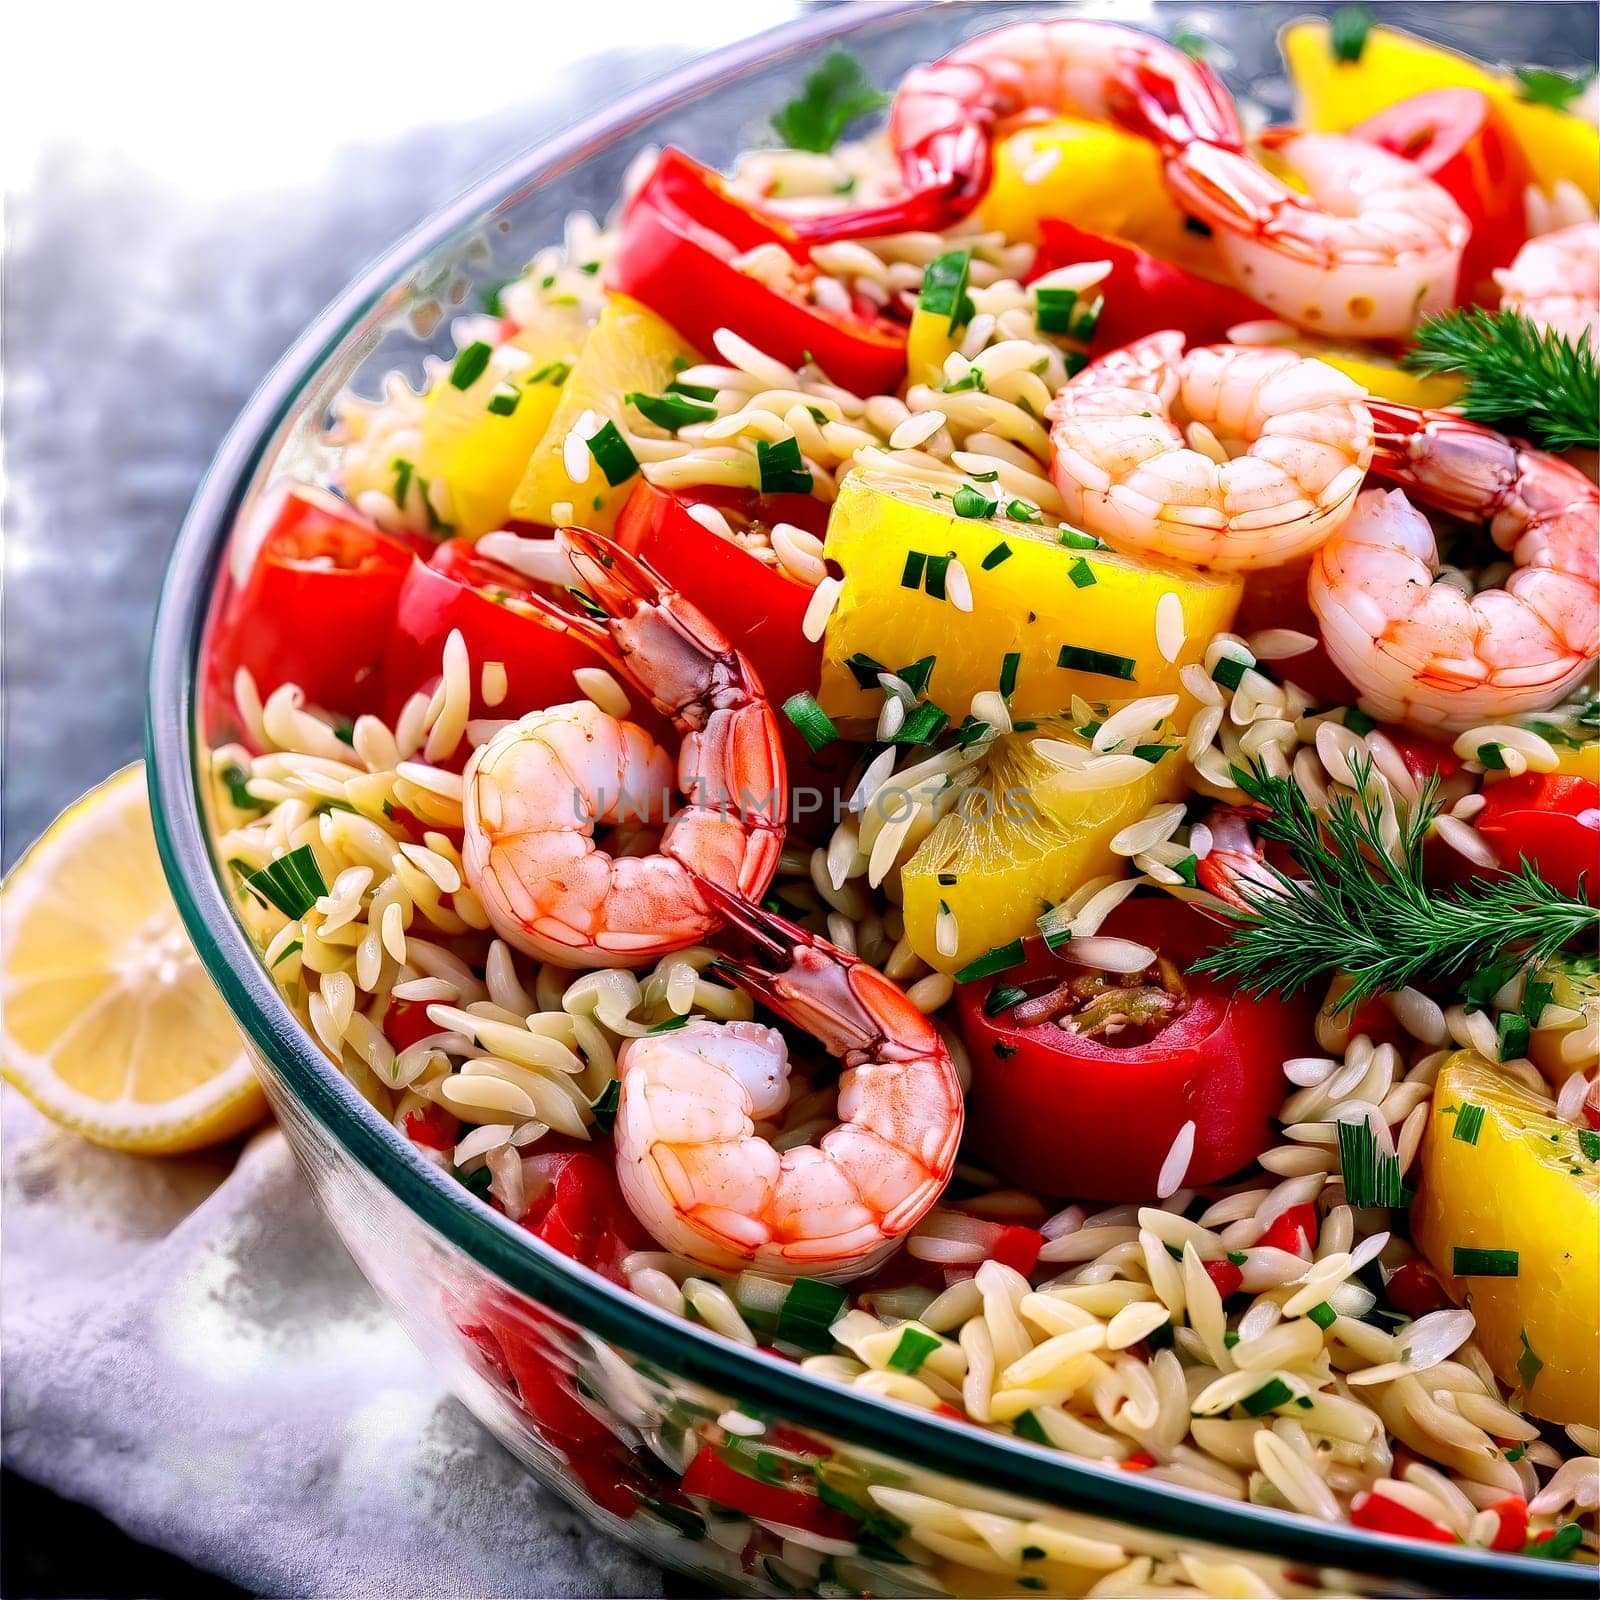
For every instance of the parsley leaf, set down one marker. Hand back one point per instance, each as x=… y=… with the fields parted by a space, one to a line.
x=834 y=94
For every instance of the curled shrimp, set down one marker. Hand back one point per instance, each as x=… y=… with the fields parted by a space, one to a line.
x=1235 y=859
x=1555 y=282
x=946 y=116
x=703 y=1179
x=1422 y=651
x=1366 y=248
x=1221 y=456
x=538 y=790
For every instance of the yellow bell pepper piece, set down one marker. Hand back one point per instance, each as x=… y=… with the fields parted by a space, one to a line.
x=478 y=446
x=1019 y=839
x=1333 y=95
x=1104 y=180
x=1556 y=1046
x=929 y=342
x=1525 y=1185
x=1079 y=621
x=629 y=349
x=1383 y=377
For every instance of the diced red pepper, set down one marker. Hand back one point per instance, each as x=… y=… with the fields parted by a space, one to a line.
x=1379 y=1514
x=581 y=1212
x=431 y=1128
x=679 y=237
x=1512 y=1530
x=1225 y=1276
x=789 y=1505
x=1018 y=1248
x=1423 y=758
x=1139 y=1461
x=1551 y=819
x=1294 y=1230
x=407 y=1021
x=1415 y=1290
x=1144 y=294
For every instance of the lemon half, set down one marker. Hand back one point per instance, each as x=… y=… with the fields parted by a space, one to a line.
x=108 y=1022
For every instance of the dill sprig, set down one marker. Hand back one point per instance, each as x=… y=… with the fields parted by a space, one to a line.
x=1533 y=380
x=1361 y=911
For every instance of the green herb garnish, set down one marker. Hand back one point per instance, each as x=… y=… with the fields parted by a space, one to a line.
x=815 y=725
x=809 y=1310
x=1272 y=1394
x=1469 y=1123
x=1100 y=662
x=944 y=288
x=1544 y=86
x=914 y=1348
x=470 y=364
x=1370 y=1179
x=1323 y=1314
x=1348 y=31
x=834 y=95
x=604 y=1107
x=1360 y=911
x=781 y=469
x=972 y=503
x=1466 y=1262
x=670 y=411
x=613 y=454
x=293 y=883
x=1529 y=1366
x=1519 y=377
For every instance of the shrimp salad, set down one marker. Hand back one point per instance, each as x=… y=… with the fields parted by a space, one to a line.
x=973 y=756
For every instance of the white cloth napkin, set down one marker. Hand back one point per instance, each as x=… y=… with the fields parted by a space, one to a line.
x=188 y=1348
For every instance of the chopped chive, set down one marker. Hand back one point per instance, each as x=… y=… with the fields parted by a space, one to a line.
x=1355 y=719
x=972 y=503
x=1002 y=998
x=1083 y=329
x=1001 y=959
x=809 y=1310
x=471 y=364
x=1229 y=671
x=587 y=604
x=676 y=1517
x=604 y=1107
x=1535 y=997
x=1512 y=1031
x=1469 y=1124
x=1023 y=511
x=864 y=669
x=1369 y=1179
x=287 y=951
x=916 y=675
x=1027 y=1426
x=1152 y=752
x=1486 y=983
x=1100 y=662
x=1237 y=1257
x=403 y=471
x=1492 y=756
x=1001 y=552
x=1082 y=574
x=985 y=477
x=1558 y=1547
x=781 y=469
x=692 y=391
x=1348 y=32
x=478 y=1182
x=815 y=725
x=1529 y=1366
x=1073 y=539
x=1053 y=309
x=293 y=883
x=914 y=1347
x=947 y=880
x=1323 y=1314
x=555 y=373
x=505 y=400
x=923 y=725
x=1008 y=672
x=911 y=573
x=1544 y=86
x=670 y=411
x=1188 y=869
x=1230 y=1338
x=236 y=780
x=934 y=581
x=1272 y=1394
x=613 y=454
x=669 y=1025
x=1033 y=1552
x=944 y=288
x=1516 y=1452
x=973 y=379
x=970 y=732
x=1466 y=1262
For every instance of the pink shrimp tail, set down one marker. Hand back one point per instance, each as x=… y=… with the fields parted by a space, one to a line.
x=1175 y=104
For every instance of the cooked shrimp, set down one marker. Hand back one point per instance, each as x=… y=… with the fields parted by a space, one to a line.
x=946 y=116
x=536 y=792
x=1420 y=650
x=709 y=1185
x=1222 y=456
x=1555 y=282
x=1367 y=248
x=1235 y=858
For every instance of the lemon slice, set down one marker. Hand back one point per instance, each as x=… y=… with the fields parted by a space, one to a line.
x=110 y=1024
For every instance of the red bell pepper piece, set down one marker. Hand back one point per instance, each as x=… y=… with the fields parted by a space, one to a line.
x=491 y=606
x=791 y=1506
x=430 y=1128
x=1458 y=138
x=1413 y=1289
x=1294 y=1230
x=1512 y=1532
x=407 y=1021
x=1553 y=820
x=1070 y=1113
x=1225 y=1276
x=581 y=1211
x=680 y=234
x=1139 y=1461
x=317 y=605
x=1144 y=294
x=1379 y=1514
x=1018 y=1248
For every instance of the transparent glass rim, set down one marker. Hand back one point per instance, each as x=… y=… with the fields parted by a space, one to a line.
x=509 y=1253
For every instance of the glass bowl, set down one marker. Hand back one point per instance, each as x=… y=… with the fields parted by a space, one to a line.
x=595 y=1390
